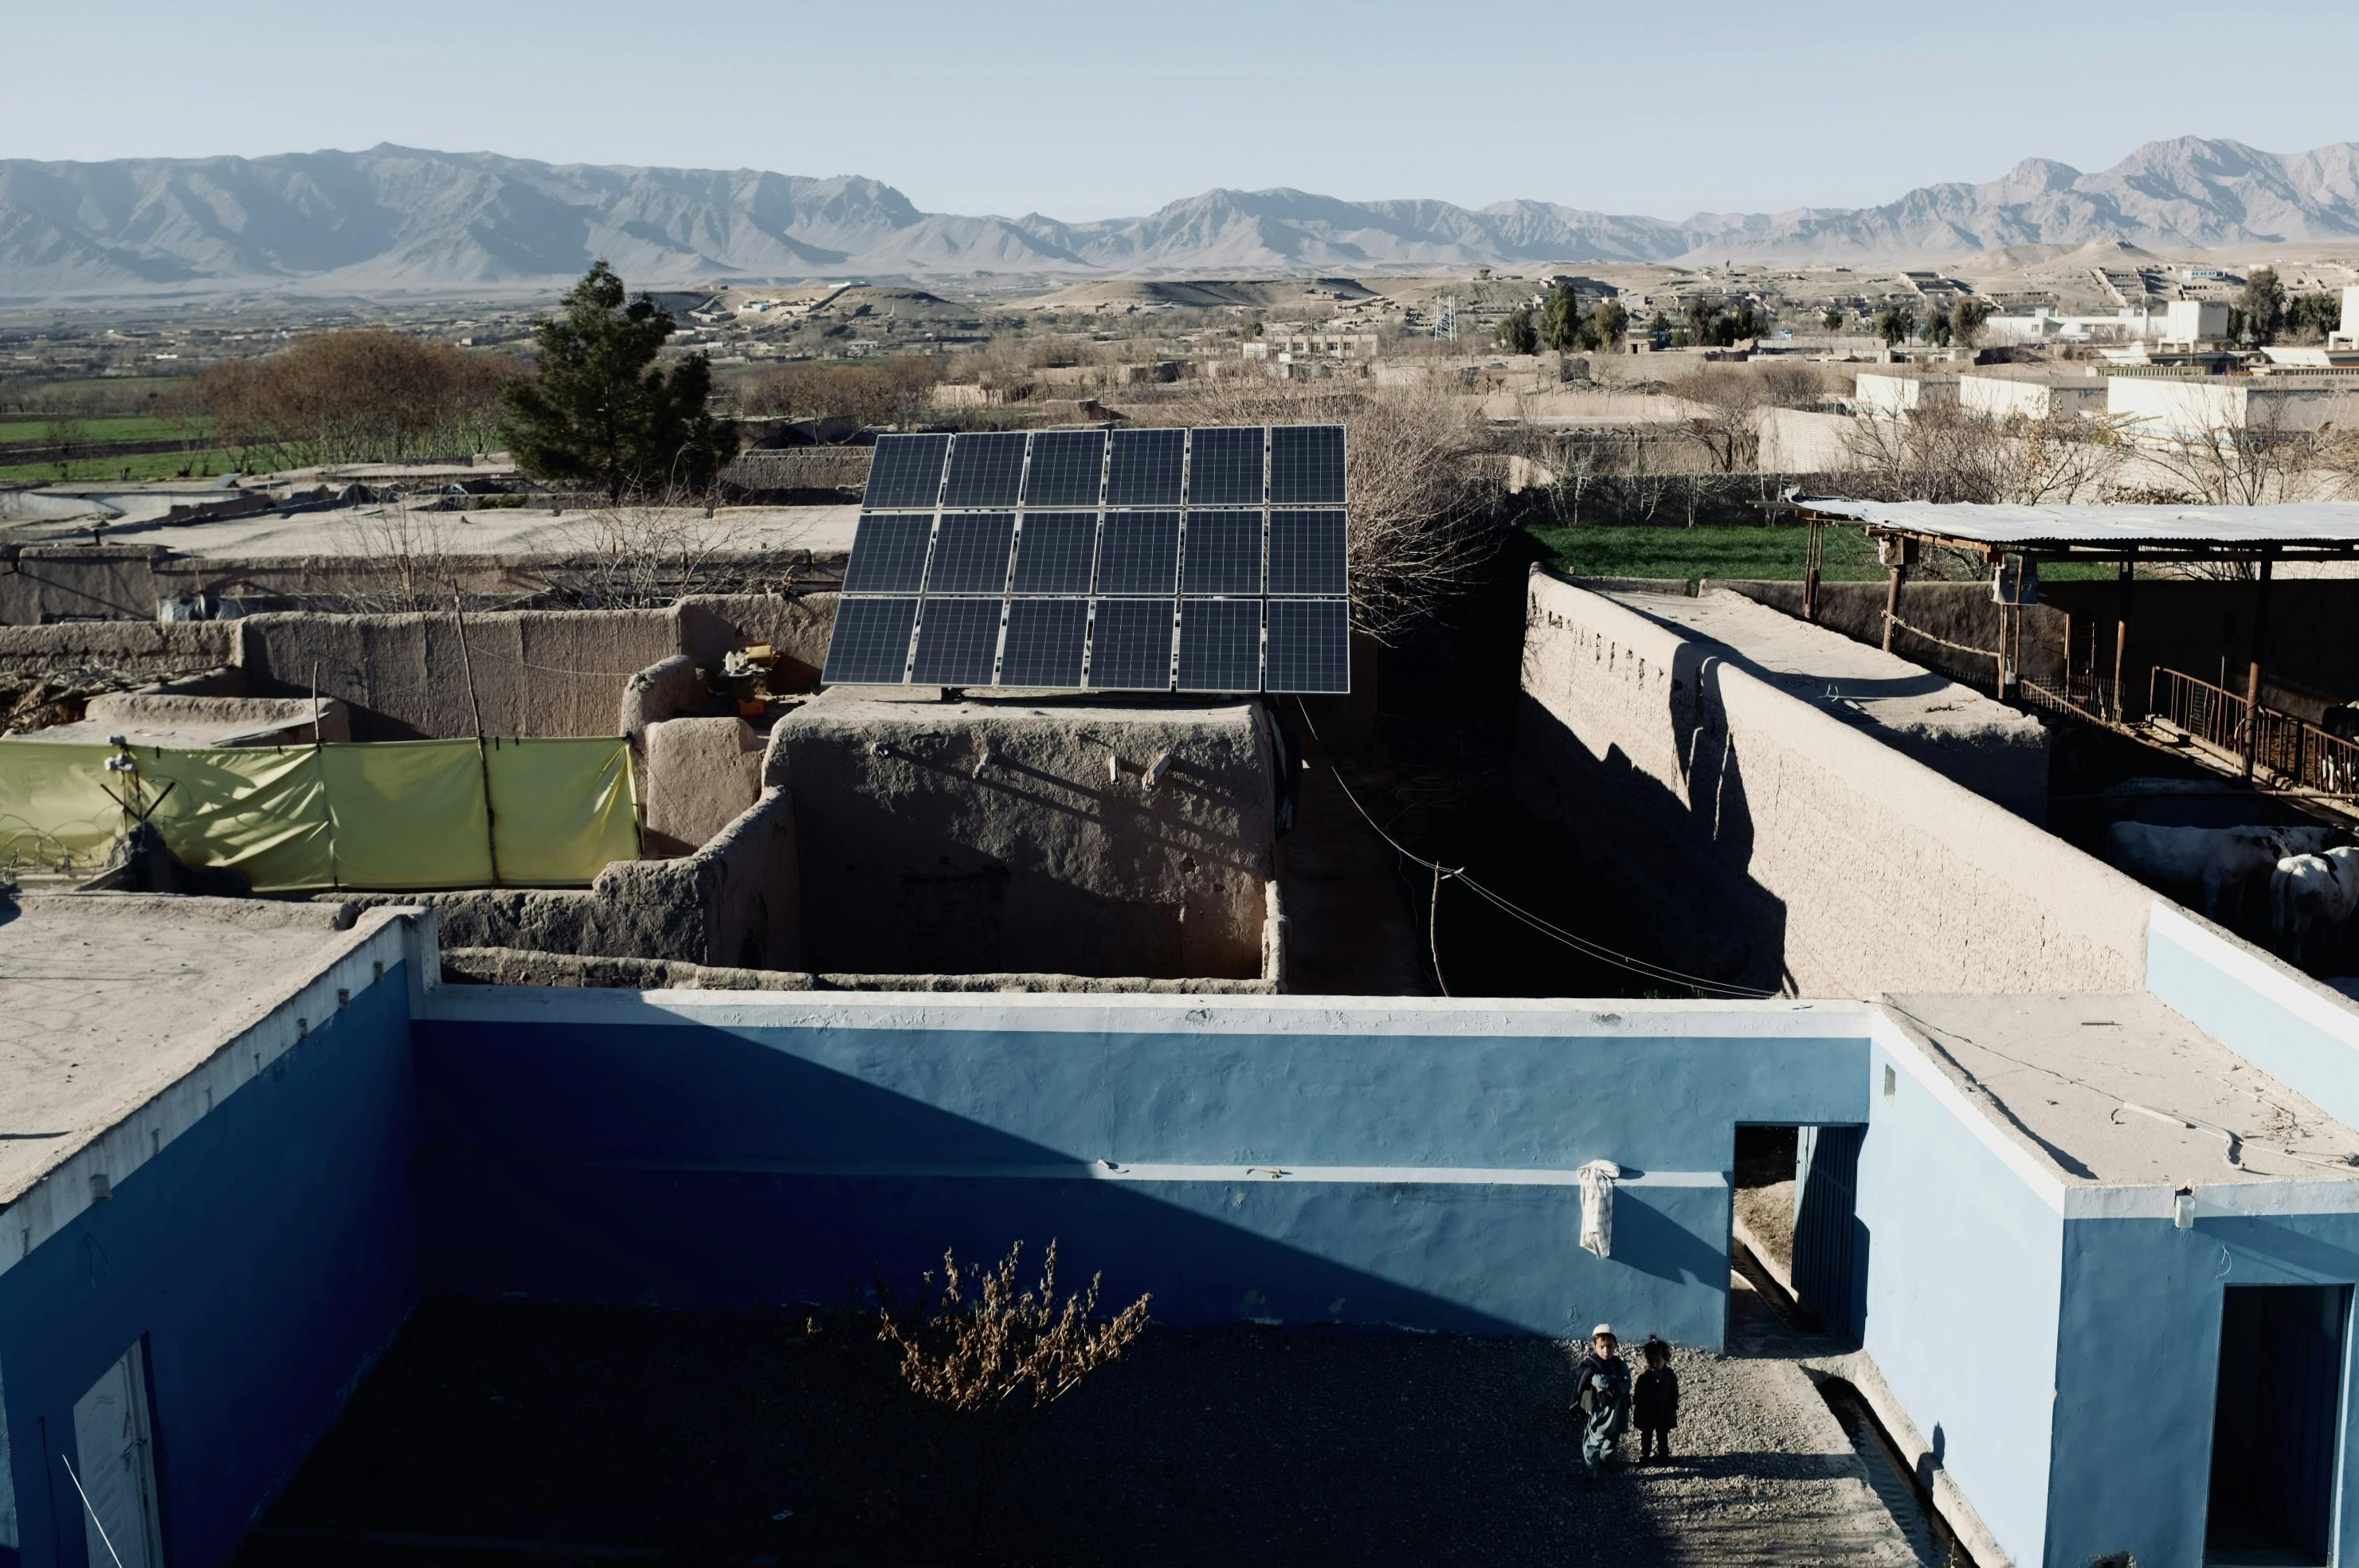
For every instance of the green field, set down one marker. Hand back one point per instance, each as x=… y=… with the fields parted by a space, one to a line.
x=1763 y=552
x=19 y=429
x=149 y=465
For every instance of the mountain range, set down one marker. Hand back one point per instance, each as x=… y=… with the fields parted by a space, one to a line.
x=399 y=219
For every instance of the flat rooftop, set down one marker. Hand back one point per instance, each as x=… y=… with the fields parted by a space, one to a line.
x=1863 y=686
x=111 y=998
x=494 y=531
x=2119 y=1090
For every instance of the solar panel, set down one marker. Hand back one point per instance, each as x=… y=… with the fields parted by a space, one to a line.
x=1306 y=465
x=1044 y=642
x=1221 y=553
x=1143 y=468
x=1224 y=466
x=957 y=641
x=1139 y=553
x=1056 y=552
x=1130 y=646
x=1214 y=560
x=971 y=554
x=1219 y=644
x=906 y=471
x=986 y=470
x=888 y=554
x=1309 y=646
x=870 y=644
x=1067 y=467
x=1306 y=552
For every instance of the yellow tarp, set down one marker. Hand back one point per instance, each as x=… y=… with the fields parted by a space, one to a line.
x=395 y=817
x=407 y=814
x=561 y=808
x=257 y=811
x=54 y=808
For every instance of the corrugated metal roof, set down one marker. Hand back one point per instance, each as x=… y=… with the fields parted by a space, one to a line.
x=2317 y=524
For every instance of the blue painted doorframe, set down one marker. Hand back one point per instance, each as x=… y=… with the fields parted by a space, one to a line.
x=1830 y=1244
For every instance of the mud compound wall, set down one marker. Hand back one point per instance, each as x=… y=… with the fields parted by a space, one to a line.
x=1762 y=842
x=1014 y=836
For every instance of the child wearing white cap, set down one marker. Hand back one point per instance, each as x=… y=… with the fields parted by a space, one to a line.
x=1602 y=1396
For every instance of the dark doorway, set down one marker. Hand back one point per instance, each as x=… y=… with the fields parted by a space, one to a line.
x=1830 y=1244
x=2275 y=1423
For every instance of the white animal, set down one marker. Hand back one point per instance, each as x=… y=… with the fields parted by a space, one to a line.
x=2219 y=862
x=2312 y=896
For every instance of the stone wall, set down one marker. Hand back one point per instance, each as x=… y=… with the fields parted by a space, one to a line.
x=1765 y=842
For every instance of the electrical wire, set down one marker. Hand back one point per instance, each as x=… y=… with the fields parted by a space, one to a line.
x=1639 y=966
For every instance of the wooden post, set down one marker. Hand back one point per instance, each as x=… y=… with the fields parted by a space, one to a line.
x=482 y=753
x=2122 y=632
x=1811 y=575
x=1891 y=601
x=2253 y=675
x=2070 y=695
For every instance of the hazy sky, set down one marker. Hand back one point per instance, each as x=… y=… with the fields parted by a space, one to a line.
x=1113 y=107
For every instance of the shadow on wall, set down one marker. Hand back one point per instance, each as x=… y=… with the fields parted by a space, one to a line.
x=560 y=1169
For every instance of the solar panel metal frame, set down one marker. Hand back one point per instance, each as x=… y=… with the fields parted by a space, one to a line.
x=1267 y=492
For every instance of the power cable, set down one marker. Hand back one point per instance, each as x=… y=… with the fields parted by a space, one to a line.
x=1639 y=966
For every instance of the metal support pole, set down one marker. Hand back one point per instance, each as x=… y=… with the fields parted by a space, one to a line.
x=2253 y=676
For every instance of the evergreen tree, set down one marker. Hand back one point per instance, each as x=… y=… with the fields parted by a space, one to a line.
x=1832 y=320
x=1561 y=318
x=1896 y=324
x=2263 y=302
x=598 y=410
x=1937 y=328
x=1606 y=327
x=1966 y=321
x=1517 y=334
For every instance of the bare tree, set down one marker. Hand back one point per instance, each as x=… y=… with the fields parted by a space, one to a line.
x=649 y=551
x=1422 y=474
x=2217 y=454
x=1728 y=400
x=1946 y=453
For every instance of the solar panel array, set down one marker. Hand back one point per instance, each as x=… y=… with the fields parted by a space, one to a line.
x=1211 y=560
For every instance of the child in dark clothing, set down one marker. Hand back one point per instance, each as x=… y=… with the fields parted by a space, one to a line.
x=1655 y=1402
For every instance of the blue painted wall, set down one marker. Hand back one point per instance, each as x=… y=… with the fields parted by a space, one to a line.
x=1965 y=1278
x=2140 y=1337
x=646 y=1159
x=2264 y=1013
x=265 y=1256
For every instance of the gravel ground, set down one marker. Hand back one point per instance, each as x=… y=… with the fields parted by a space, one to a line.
x=596 y=1433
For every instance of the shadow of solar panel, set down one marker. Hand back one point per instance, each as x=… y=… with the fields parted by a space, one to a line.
x=971 y=554
x=1224 y=466
x=1309 y=646
x=1307 y=552
x=1143 y=468
x=1055 y=551
x=1044 y=642
x=870 y=644
x=957 y=641
x=1306 y=465
x=1130 y=646
x=986 y=470
x=1221 y=553
x=888 y=554
x=906 y=471
x=1219 y=644
x=1138 y=553
x=1067 y=467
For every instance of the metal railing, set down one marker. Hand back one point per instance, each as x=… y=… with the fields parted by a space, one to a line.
x=2289 y=752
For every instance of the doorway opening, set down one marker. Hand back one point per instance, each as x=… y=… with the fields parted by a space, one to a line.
x=1796 y=1211
x=2276 y=1420
x=115 y=1444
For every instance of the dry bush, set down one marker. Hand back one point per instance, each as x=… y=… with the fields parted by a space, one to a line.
x=1421 y=487
x=991 y=1357
x=402 y=556
x=650 y=552
x=892 y=392
x=364 y=396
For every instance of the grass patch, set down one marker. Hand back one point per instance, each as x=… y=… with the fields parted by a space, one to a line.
x=1761 y=552
x=25 y=432
x=147 y=465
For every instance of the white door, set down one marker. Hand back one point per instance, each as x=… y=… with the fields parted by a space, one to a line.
x=110 y=1440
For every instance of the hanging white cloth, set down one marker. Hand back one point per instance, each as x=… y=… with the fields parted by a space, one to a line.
x=1597 y=1179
